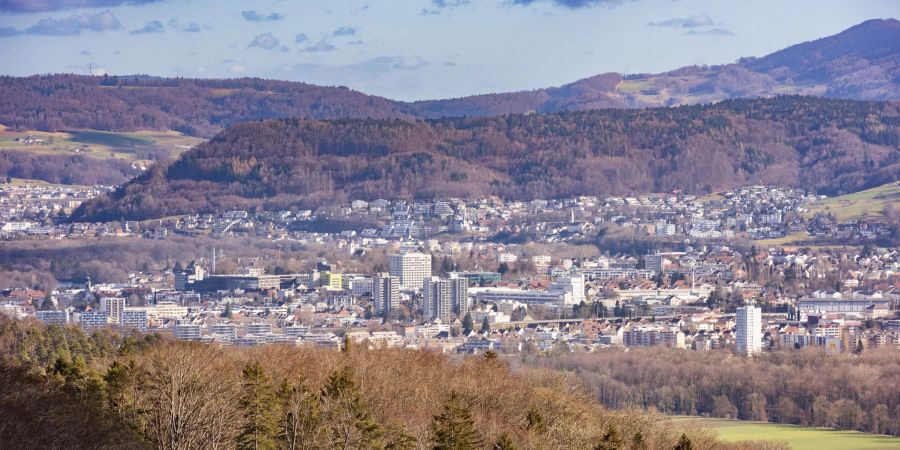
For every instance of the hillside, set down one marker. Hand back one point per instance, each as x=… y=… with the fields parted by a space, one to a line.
x=103 y=391
x=828 y=146
x=860 y=63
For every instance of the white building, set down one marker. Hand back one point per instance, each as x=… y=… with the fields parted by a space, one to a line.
x=507 y=258
x=411 y=268
x=92 y=321
x=59 y=318
x=748 y=330
x=572 y=287
x=186 y=331
x=386 y=294
x=444 y=298
x=138 y=319
x=113 y=307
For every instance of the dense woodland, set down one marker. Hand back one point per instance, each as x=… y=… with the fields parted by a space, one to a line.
x=808 y=387
x=827 y=146
x=192 y=106
x=62 y=389
x=859 y=63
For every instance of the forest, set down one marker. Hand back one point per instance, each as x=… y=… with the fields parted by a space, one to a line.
x=60 y=388
x=858 y=63
x=805 y=387
x=827 y=146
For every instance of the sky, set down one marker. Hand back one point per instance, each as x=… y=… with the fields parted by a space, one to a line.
x=409 y=49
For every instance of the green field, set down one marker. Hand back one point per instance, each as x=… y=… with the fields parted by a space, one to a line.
x=98 y=144
x=868 y=203
x=798 y=438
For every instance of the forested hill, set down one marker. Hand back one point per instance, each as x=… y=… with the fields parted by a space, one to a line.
x=829 y=146
x=862 y=63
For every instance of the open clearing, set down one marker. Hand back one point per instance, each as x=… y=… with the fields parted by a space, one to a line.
x=136 y=146
x=798 y=438
x=868 y=203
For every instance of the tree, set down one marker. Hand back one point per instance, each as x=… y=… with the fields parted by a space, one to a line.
x=347 y=419
x=503 y=268
x=485 y=325
x=503 y=443
x=638 y=442
x=610 y=440
x=300 y=424
x=257 y=403
x=454 y=428
x=684 y=443
x=227 y=313
x=467 y=324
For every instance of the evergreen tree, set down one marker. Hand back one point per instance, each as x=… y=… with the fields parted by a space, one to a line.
x=610 y=440
x=227 y=313
x=348 y=421
x=257 y=403
x=485 y=325
x=300 y=424
x=454 y=428
x=503 y=443
x=684 y=443
x=638 y=442
x=467 y=323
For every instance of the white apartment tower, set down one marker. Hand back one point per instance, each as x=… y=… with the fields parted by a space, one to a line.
x=748 y=330
x=411 y=268
x=445 y=297
x=113 y=307
x=386 y=294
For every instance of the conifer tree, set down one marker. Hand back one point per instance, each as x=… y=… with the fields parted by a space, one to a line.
x=301 y=420
x=610 y=440
x=257 y=404
x=454 y=428
x=503 y=443
x=684 y=443
x=348 y=421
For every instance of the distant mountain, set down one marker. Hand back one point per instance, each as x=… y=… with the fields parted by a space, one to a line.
x=861 y=63
x=825 y=145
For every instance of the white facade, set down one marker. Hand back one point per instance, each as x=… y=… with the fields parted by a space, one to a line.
x=186 y=331
x=572 y=287
x=748 y=330
x=93 y=321
x=445 y=297
x=411 y=268
x=113 y=307
x=386 y=294
x=59 y=318
x=138 y=319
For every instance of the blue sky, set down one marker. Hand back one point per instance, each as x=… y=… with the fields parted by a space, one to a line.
x=409 y=49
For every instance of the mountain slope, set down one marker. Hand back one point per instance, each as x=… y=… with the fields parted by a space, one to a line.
x=829 y=146
x=861 y=63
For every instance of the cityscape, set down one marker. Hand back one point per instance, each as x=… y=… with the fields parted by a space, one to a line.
x=450 y=225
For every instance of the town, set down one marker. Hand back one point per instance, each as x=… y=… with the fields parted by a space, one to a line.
x=448 y=283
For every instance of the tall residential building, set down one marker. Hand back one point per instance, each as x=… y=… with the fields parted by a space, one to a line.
x=654 y=262
x=411 y=268
x=445 y=297
x=386 y=294
x=748 y=330
x=113 y=307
